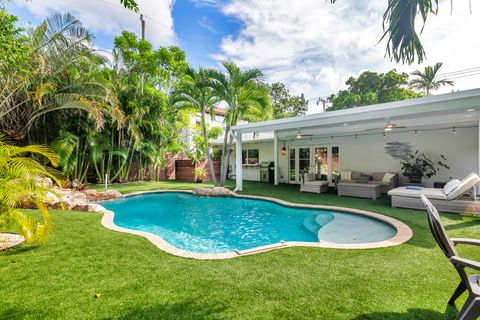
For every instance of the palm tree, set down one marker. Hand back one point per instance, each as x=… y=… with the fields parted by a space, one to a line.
x=62 y=80
x=197 y=93
x=19 y=184
x=245 y=96
x=426 y=79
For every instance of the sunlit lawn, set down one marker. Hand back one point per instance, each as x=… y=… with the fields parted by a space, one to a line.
x=136 y=280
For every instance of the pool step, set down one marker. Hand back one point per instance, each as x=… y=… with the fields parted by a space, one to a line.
x=315 y=223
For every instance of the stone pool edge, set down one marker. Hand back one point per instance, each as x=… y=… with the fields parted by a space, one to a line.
x=404 y=233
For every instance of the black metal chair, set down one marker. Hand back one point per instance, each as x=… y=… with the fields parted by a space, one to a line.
x=471 y=309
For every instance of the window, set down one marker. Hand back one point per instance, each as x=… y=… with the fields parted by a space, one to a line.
x=303 y=161
x=250 y=156
x=292 y=164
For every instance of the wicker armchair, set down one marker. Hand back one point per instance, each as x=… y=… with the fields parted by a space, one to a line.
x=385 y=186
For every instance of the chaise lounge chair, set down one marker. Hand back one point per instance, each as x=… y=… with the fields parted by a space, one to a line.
x=471 y=308
x=309 y=184
x=459 y=199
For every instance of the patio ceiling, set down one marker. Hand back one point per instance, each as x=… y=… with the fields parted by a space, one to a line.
x=459 y=109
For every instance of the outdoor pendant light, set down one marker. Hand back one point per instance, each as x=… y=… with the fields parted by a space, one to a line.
x=283 y=152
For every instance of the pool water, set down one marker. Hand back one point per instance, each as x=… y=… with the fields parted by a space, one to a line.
x=218 y=225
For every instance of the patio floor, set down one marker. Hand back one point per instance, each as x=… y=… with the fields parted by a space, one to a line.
x=135 y=280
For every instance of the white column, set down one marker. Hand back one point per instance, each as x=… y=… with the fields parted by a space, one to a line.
x=275 y=157
x=238 y=161
x=330 y=164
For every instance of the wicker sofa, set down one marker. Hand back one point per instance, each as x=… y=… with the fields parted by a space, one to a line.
x=377 y=178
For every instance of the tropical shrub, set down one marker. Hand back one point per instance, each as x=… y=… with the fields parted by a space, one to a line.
x=20 y=184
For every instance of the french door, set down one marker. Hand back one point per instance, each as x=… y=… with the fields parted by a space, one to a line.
x=322 y=160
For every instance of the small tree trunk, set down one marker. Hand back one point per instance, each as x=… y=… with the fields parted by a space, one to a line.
x=223 y=164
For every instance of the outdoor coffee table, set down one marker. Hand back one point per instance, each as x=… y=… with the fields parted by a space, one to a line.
x=361 y=190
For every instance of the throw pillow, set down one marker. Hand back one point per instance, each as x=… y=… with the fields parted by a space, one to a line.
x=346 y=175
x=387 y=176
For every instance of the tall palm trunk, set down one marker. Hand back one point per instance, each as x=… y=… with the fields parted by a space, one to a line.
x=207 y=146
x=224 y=164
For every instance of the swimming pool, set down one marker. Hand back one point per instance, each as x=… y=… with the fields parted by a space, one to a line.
x=220 y=225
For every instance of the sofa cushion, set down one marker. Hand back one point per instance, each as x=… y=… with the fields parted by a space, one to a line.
x=309 y=176
x=451 y=185
x=388 y=176
x=378 y=176
x=346 y=175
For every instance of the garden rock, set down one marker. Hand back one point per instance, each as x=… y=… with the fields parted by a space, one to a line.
x=215 y=192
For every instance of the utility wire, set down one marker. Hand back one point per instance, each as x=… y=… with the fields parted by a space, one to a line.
x=120 y=7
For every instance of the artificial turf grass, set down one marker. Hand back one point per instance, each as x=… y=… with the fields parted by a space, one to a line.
x=137 y=280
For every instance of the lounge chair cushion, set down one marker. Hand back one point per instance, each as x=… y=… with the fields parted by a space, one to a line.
x=388 y=176
x=451 y=185
x=428 y=192
x=465 y=186
x=346 y=175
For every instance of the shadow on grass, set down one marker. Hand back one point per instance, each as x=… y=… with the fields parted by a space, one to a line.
x=183 y=310
x=411 y=314
x=19 y=313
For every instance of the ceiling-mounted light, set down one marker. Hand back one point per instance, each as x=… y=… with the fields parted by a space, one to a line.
x=299 y=135
x=283 y=152
x=415 y=132
x=356 y=136
x=454 y=130
x=470 y=110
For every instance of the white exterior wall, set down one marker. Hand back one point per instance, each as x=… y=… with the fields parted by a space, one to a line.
x=265 y=153
x=367 y=153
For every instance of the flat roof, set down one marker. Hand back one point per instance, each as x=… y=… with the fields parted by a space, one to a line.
x=449 y=105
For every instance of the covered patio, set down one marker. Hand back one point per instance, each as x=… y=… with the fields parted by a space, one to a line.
x=360 y=138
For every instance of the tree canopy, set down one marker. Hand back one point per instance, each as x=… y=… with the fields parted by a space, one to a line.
x=372 y=88
x=284 y=104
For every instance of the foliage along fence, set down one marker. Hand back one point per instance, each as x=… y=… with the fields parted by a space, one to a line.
x=184 y=170
x=177 y=167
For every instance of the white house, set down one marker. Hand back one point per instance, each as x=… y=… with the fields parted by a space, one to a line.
x=356 y=139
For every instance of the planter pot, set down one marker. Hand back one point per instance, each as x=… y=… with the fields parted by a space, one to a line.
x=199 y=180
x=415 y=179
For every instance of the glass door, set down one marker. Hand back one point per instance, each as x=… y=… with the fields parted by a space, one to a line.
x=321 y=163
x=303 y=161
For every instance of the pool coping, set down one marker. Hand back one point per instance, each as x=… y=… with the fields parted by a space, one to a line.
x=404 y=233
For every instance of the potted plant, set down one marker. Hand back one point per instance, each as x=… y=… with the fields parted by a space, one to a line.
x=418 y=165
x=199 y=174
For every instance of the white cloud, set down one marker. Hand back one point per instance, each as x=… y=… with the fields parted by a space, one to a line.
x=313 y=46
x=109 y=17
x=207 y=24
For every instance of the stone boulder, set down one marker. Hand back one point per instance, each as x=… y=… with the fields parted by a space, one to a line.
x=94 y=195
x=109 y=195
x=215 y=192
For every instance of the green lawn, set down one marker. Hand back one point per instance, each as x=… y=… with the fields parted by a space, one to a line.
x=135 y=280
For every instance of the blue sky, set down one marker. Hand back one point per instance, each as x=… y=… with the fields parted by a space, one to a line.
x=312 y=46
x=199 y=26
